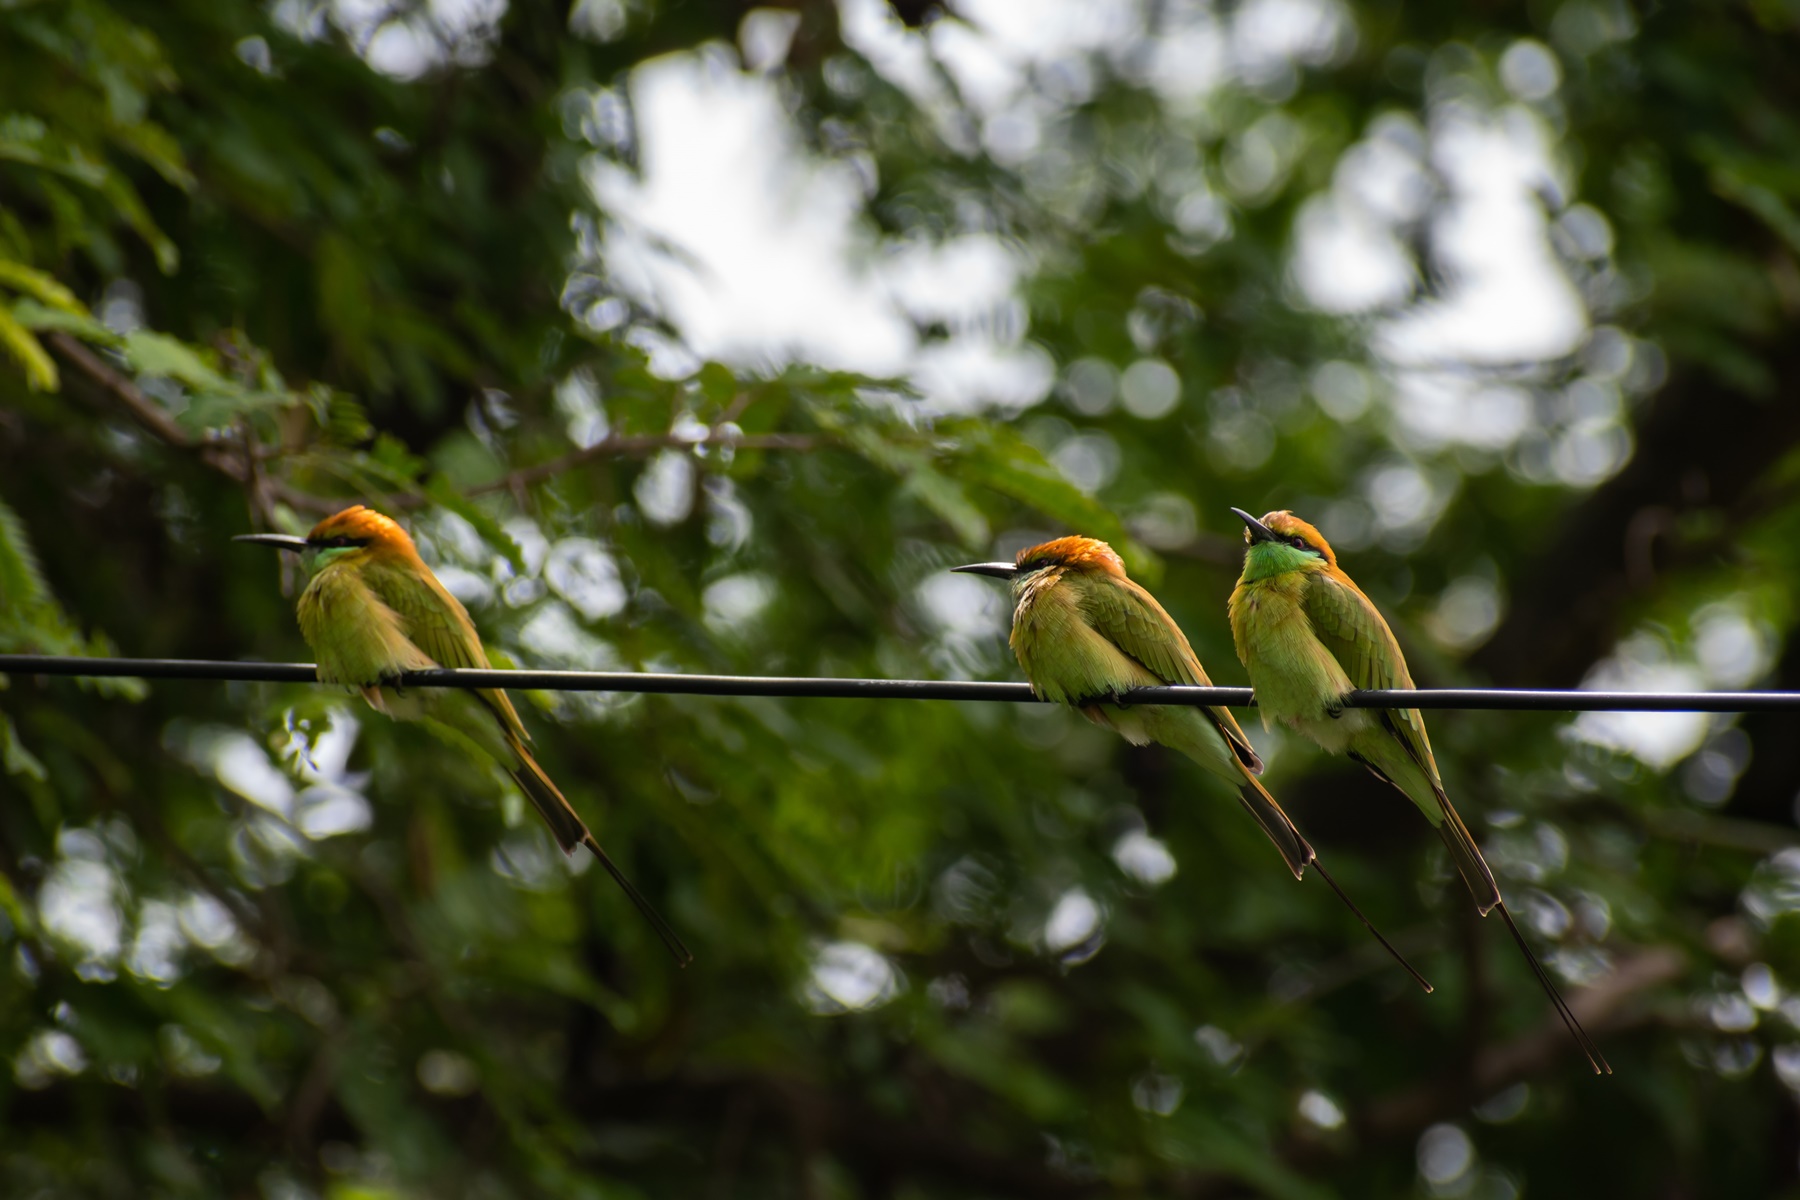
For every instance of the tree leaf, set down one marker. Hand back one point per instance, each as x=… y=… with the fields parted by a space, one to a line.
x=441 y=491
x=28 y=353
x=41 y=319
x=40 y=286
x=16 y=759
x=996 y=457
x=159 y=354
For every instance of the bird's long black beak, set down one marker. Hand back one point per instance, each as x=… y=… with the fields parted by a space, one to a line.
x=1258 y=531
x=995 y=570
x=281 y=541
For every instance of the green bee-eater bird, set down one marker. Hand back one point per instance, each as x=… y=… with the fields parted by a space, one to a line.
x=373 y=610
x=1084 y=633
x=1308 y=636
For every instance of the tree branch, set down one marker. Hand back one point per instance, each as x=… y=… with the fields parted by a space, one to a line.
x=157 y=421
x=145 y=411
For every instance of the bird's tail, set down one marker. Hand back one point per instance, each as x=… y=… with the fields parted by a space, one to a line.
x=1475 y=872
x=564 y=822
x=1479 y=877
x=1299 y=853
x=1594 y=1057
x=571 y=831
x=1276 y=824
x=1466 y=854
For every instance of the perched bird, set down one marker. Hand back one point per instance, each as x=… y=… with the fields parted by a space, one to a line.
x=1084 y=633
x=1308 y=636
x=373 y=610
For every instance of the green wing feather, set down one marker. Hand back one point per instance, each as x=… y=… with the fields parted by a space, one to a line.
x=439 y=625
x=1349 y=626
x=356 y=637
x=1131 y=619
x=1357 y=635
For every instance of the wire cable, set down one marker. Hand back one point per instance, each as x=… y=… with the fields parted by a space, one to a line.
x=1490 y=699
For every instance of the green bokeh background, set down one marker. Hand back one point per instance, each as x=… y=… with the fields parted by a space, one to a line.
x=256 y=941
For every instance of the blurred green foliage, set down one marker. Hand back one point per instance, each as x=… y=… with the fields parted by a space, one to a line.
x=256 y=941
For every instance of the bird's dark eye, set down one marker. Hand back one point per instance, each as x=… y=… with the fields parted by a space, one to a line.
x=1299 y=543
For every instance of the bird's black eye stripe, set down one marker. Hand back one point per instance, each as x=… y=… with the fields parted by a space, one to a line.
x=338 y=543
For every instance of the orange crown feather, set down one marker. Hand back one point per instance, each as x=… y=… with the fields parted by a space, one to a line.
x=1079 y=553
x=1288 y=525
x=366 y=527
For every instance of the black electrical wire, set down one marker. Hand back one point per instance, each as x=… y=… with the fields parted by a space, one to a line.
x=895 y=689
